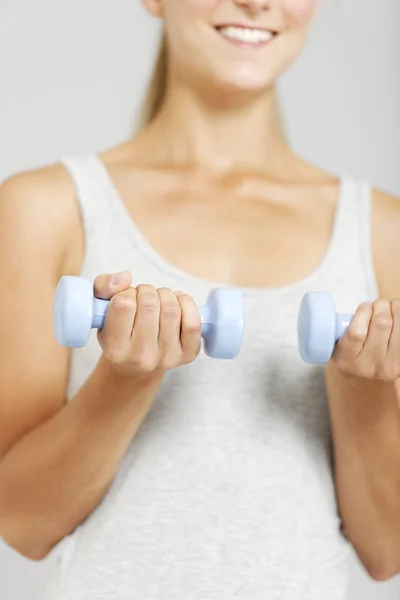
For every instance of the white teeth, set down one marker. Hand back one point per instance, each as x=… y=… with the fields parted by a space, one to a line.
x=249 y=36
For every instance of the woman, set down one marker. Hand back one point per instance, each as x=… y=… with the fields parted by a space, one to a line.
x=168 y=475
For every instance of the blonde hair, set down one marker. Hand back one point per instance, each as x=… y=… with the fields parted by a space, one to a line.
x=157 y=88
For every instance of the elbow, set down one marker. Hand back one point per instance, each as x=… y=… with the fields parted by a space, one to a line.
x=29 y=549
x=377 y=547
x=26 y=539
x=28 y=535
x=381 y=571
x=33 y=553
x=381 y=562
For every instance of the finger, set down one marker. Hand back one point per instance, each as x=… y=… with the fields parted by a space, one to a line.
x=393 y=352
x=115 y=336
x=106 y=286
x=376 y=344
x=352 y=342
x=169 y=342
x=147 y=321
x=190 y=327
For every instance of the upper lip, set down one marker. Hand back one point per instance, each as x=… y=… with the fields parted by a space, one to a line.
x=246 y=26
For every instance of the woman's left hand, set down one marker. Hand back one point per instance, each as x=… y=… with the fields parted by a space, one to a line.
x=370 y=348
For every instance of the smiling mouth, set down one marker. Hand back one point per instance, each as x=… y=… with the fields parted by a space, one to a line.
x=245 y=35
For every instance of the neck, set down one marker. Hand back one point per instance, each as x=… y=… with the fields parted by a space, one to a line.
x=218 y=134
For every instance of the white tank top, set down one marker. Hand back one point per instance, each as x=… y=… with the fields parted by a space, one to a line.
x=227 y=490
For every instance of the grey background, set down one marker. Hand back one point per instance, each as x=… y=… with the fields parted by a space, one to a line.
x=72 y=75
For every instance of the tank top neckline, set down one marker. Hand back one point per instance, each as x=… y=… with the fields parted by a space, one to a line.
x=141 y=243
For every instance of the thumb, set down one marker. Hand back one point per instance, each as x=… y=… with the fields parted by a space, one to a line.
x=106 y=286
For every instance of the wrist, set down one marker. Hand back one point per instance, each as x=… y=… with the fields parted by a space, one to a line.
x=352 y=380
x=112 y=374
x=109 y=392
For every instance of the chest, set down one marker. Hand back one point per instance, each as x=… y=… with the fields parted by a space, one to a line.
x=254 y=238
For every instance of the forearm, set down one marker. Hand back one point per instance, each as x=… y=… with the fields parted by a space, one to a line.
x=56 y=476
x=365 y=419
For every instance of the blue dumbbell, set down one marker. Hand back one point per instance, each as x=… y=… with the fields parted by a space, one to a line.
x=319 y=327
x=77 y=311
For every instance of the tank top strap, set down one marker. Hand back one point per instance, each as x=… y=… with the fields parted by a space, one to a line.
x=351 y=243
x=89 y=191
x=365 y=207
x=95 y=196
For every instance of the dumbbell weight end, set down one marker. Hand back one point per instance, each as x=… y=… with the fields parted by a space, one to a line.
x=319 y=327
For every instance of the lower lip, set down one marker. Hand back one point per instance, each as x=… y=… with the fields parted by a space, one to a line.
x=241 y=44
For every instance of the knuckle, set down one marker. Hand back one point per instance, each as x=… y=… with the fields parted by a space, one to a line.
x=340 y=362
x=383 y=321
x=193 y=327
x=356 y=334
x=389 y=372
x=144 y=362
x=385 y=375
x=171 y=310
x=396 y=367
x=396 y=306
x=344 y=365
x=148 y=302
x=148 y=308
x=368 y=371
x=123 y=302
x=115 y=355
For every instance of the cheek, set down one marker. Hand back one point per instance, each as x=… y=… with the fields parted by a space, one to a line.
x=186 y=13
x=300 y=11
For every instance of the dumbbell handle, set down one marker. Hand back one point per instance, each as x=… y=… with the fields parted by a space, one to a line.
x=342 y=324
x=100 y=308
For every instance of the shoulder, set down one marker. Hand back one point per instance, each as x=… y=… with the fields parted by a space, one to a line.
x=39 y=209
x=37 y=188
x=385 y=206
x=386 y=242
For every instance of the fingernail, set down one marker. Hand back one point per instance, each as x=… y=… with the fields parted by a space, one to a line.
x=117 y=278
x=179 y=293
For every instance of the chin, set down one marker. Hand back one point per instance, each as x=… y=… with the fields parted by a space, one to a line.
x=244 y=83
x=240 y=77
x=231 y=82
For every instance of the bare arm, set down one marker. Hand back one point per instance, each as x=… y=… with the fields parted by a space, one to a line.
x=365 y=410
x=57 y=460
x=53 y=478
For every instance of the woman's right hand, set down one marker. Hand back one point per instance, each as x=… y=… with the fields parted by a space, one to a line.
x=147 y=329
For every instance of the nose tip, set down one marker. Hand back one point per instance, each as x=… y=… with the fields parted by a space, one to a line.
x=254 y=5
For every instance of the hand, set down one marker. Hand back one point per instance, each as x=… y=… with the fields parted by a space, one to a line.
x=147 y=329
x=370 y=348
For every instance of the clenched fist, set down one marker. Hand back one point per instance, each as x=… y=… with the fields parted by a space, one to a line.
x=370 y=348
x=147 y=329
